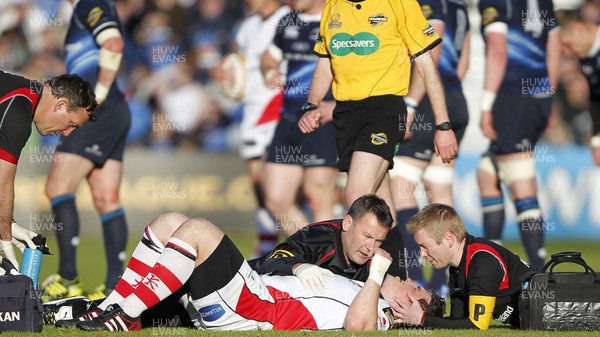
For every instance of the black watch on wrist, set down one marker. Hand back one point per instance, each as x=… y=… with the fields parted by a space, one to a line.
x=445 y=126
x=308 y=106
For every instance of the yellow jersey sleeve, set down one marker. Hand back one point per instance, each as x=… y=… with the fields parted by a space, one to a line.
x=417 y=33
x=320 y=47
x=481 y=309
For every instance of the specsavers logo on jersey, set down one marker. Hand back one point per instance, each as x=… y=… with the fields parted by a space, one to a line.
x=363 y=43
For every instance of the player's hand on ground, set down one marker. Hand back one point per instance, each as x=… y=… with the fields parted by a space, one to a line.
x=445 y=145
x=310 y=121
x=313 y=277
x=21 y=237
x=407 y=313
x=487 y=125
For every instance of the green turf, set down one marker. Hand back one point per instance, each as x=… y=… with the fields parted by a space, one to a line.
x=92 y=268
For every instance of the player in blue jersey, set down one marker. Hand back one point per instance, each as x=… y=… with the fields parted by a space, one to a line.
x=294 y=159
x=93 y=49
x=414 y=161
x=581 y=39
x=522 y=55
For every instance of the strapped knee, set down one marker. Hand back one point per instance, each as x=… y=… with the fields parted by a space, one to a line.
x=439 y=174
x=487 y=165
x=513 y=170
x=406 y=170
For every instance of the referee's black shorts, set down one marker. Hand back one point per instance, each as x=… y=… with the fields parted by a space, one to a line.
x=374 y=125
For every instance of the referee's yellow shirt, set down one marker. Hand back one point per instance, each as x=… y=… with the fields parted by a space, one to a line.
x=371 y=44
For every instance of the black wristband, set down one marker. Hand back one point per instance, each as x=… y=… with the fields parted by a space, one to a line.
x=445 y=126
x=308 y=106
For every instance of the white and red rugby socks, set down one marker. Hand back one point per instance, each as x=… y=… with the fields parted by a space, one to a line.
x=144 y=256
x=173 y=268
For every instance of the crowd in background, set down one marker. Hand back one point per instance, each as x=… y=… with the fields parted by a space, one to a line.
x=171 y=47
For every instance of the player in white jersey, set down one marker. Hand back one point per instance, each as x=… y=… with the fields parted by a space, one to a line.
x=224 y=293
x=263 y=302
x=261 y=105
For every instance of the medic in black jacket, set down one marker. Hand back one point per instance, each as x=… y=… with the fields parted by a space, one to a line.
x=58 y=106
x=341 y=246
x=485 y=278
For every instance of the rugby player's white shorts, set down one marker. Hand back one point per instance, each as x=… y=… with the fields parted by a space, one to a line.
x=255 y=139
x=233 y=306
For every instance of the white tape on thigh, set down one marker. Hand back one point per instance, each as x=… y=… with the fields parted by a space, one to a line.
x=439 y=174
x=512 y=170
x=406 y=170
x=342 y=180
x=486 y=165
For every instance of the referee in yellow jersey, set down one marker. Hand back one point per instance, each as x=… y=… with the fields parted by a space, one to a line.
x=366 y=49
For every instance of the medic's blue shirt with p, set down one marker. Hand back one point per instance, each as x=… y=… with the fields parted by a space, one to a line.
x=295 y=37
x=90 y=18
x=529 y=22
x=456 y=24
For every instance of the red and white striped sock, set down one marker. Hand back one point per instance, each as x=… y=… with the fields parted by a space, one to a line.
x=171 y=271
x=143 y=258
x=267 y=232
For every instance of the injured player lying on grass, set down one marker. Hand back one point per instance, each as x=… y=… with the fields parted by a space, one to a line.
x=222 y=292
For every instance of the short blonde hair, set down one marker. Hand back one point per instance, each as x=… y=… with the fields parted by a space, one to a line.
x=437 y=220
